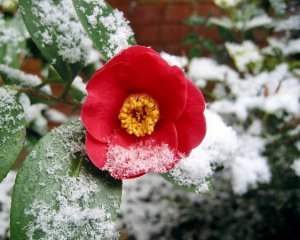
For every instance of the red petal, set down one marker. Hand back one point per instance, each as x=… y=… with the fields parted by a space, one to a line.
x=149 y=73
x=103 y=103
x=191 y=126
x=96 y=150
x=130 y=157
x=127 y=55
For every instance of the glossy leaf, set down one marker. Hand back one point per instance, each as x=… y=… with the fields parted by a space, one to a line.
x=12 y=41
x=57 y=32
x=194 y=188
x=12 y=130
x=59 y=194
x=106 y=26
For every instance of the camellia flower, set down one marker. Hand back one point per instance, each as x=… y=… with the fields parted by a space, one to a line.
x=141 y=115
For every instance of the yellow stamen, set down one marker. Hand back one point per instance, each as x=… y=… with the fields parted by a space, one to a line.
x=139 y=114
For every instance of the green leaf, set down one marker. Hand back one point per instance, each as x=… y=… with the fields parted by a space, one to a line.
x=53 y=76
x=106 y=26
x=59 y=194
x=57 y=32
x=168 y=176
x=279 y=6
x=12 y=41
x=17 y=77
x=195 y=51
x=12 y=130
x=195 y=20
x=191 y=38
x=203 y=187
x=210 y=45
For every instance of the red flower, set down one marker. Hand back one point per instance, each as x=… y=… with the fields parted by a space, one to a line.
x=141 y=114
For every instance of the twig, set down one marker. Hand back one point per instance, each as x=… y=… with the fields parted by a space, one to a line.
x=285 y=141
x=35 y=92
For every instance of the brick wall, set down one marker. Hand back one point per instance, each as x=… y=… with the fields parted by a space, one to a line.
x=158 y=23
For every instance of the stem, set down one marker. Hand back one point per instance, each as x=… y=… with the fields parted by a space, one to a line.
x=36 y=93
x=43 y=84
x=66 y=91
x=289 y=140
x=78 y=168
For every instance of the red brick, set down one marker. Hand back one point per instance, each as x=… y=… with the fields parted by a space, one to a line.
x=176 y=13
x=146 y=34
x=173 y=33
x=148 y=14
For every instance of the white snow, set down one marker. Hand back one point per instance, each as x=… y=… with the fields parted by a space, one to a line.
x=217 y=149
x=202 y=70
x=227 y=3
x=140 y=157
x=287 y=47
x=21 y=78
x=249 y=168
x=60 y=18
x=115 y=23
x=242 y=24
x=75 y=196
x=296 y=167
x=175 y=60
x=12 y=36
x=10 y=115
x=244 y=54
x=79 y=85
x=291 y=23
x=270 y=91
x=6 y=187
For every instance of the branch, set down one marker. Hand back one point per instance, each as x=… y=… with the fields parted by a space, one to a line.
x=285 y=141
x=36 y=93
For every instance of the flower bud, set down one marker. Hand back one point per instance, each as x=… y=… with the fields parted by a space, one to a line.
x=10 y=6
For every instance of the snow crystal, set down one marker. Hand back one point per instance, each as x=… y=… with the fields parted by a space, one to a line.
x=139 y=157
x=244 y=54
x=175 y=60
x=296 y=167
x=58 y=22
x=249 y=168
x=22 y=79
x=74 y=205
x=217 y=149
x=5 y=201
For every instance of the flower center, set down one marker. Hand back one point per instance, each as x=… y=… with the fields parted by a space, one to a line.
x=139 y=114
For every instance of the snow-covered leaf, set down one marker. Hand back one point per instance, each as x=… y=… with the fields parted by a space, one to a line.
x=218 y=149
x=279 y=6
x=12 y=130
x=17 y=77
x=57 y=32
x=12 y=41
x=59 y=194
x=107 y=27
